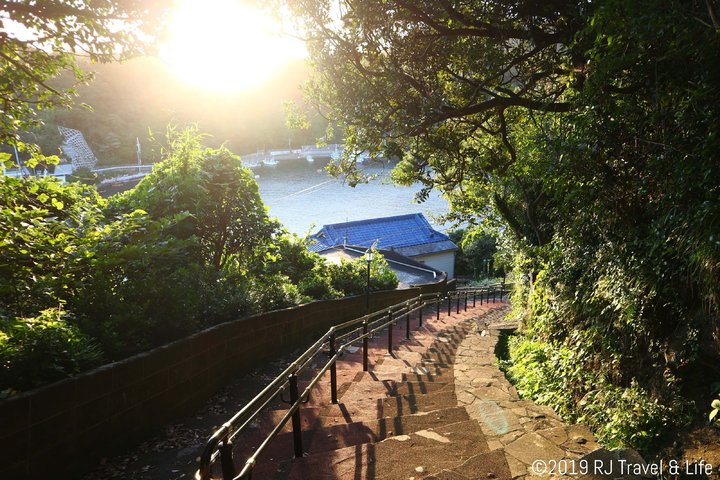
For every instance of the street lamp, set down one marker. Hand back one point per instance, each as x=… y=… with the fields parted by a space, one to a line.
x=368 y=260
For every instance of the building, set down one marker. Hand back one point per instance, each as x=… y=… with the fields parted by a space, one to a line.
x=409 y=235
x=408 y=271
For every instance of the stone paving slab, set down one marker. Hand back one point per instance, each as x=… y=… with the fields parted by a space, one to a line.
x=523 y=431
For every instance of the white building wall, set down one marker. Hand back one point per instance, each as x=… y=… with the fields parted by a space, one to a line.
x=444 y=261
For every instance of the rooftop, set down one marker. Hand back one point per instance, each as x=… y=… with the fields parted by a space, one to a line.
x=398 y=232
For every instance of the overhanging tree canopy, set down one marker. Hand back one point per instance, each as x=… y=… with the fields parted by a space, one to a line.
x=40 y=40
x=586 y=129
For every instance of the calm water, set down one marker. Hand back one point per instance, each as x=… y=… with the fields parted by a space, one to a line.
x=304 y=197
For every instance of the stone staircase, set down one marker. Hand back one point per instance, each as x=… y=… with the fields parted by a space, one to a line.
x=437 y=408
x=400 y=420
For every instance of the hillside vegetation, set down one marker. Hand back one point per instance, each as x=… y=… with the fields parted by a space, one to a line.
x=84 y=280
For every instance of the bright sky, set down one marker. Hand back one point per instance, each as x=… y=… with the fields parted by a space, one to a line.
x=225 y=45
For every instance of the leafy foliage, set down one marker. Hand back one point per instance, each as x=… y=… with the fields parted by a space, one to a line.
x=557 y=374
x=584 y=134
x=350 y=277
x=191 y=246
x=43 y=241
x=41 y=41
x=476 y=255
x=227 y=213
x=41 y=349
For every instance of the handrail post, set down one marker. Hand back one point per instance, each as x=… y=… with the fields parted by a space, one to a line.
x=493 y=293
x=297 y=426
x=407 y=323
x=474 y=297
x=437 y=307
x=448 y=295
x=466 y=297
x=333 y=371
x=390 y=330
x=457 y=306
x=365 y=345
x=481 y=296
x=420 y=314
x=227 y=463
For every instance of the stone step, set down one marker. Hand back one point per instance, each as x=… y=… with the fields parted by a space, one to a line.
x=420 y=454
x=490 y=465
x=365 y=386
x=338 y=436
x=426 y=377
x=406 y=400
x=375 y=408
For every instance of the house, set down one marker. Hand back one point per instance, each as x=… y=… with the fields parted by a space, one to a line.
x=409 y=235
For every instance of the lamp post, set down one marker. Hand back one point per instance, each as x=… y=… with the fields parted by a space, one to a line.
x=368 y=260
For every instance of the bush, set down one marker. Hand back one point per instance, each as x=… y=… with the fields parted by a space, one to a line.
x=350 y=278
x=39 y=350
x=273 y=292
x=318 y=285
x=142 y=288
x=563 y=376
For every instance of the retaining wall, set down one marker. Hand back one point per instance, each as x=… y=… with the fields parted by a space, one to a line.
x=63 y=429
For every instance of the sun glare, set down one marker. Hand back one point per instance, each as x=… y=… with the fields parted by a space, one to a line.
x=225 y=45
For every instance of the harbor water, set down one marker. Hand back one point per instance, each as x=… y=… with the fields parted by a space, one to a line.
x=304 y=197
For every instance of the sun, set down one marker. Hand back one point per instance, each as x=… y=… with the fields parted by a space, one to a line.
x=226 y=46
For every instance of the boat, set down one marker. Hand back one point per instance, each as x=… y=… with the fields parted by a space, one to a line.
x=269 y=161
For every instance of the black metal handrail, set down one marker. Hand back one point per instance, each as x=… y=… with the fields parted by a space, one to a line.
x=351 y=332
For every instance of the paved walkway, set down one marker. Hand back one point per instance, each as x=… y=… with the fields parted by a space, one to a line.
x=524 y=431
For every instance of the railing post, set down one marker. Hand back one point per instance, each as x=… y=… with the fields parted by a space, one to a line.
x=448 y=295
x=474 y=297
x=227 y=463
x=457 y=306
x=481 y=296
x=407 y=321
x=333 y=371
x=365 y=346
x=390 y=330
x=297 y=426
x=493 y=294
x=437 y=307
x=420 y=314
x=466 y=297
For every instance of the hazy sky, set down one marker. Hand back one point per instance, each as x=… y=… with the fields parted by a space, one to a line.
x=225 y=45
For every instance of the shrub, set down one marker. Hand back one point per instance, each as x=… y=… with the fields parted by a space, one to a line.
x=42 y=349
x=350 y=278
x=143 y=287
x=317 y=284
x=562 y=376
x=273 y=292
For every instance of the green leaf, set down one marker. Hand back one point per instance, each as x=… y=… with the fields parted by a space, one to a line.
x=6 y=159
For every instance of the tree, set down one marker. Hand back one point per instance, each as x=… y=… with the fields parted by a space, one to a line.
x=221 y=197
x=437 y=82
x=40 y=40
x=586 y=131
x=476 y=255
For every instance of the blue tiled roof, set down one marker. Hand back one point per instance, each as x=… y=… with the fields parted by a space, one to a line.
x=390 y=232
